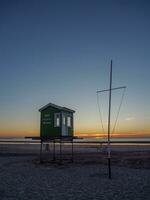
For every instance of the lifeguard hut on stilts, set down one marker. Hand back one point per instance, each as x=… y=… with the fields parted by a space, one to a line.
x=56 y=126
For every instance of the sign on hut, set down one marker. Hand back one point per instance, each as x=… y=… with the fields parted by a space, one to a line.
x=56 y=121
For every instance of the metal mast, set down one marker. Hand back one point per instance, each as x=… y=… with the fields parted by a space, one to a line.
x=109 y=117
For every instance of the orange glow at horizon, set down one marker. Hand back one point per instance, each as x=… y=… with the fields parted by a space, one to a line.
x=86 y=134
x=18 y=133
x=123 y=134
x=129 y=128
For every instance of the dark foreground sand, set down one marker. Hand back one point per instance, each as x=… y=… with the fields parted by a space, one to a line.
x=23 y=177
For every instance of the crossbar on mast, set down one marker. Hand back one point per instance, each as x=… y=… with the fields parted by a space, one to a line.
x=123 y=87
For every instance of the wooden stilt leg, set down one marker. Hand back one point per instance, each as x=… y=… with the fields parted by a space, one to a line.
x=54 y=158
x=60 y=152
x=72 y=151
x=41 y=145
x=47 y=147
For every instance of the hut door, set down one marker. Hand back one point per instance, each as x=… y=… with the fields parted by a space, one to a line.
x=64 y=125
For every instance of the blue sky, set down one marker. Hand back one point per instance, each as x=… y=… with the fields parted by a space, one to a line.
x=60 y=52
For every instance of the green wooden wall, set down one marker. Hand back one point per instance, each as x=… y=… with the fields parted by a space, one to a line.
x=47 y=123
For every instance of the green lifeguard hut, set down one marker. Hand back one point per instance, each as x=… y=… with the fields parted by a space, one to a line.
x=56 y=121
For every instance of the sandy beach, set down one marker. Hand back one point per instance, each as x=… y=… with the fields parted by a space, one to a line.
x=22 y=176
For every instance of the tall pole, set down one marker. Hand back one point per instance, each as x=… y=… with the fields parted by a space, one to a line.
x=109 y=118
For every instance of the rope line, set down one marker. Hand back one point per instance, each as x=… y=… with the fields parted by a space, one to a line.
x=100 y=114
x=116 y=120
x=123 y=93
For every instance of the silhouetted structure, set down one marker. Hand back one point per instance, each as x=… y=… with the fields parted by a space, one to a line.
x=56 y=125
x=109 y=117
x=56 y=121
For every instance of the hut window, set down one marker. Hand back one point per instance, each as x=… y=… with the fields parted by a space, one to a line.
x=69 y=121
x=64 y=120
x=57 y=119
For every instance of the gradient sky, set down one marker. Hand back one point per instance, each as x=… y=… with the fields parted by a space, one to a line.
x=60 y=52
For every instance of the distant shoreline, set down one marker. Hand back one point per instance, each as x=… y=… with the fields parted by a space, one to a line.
x=76 y=141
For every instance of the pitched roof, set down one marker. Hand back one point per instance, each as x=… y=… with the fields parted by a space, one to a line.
x=56 y=106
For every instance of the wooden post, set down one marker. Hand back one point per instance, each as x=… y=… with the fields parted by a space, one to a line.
x=41 y=145
x=54 y=150
x=60 y=151
x=72 y=150
x=47 y=147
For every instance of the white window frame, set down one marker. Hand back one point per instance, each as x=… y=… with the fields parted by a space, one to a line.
x=69 y=121
x=64 y=120
x=56 y=117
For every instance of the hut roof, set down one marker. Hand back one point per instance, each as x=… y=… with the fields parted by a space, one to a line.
x=56 y=106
